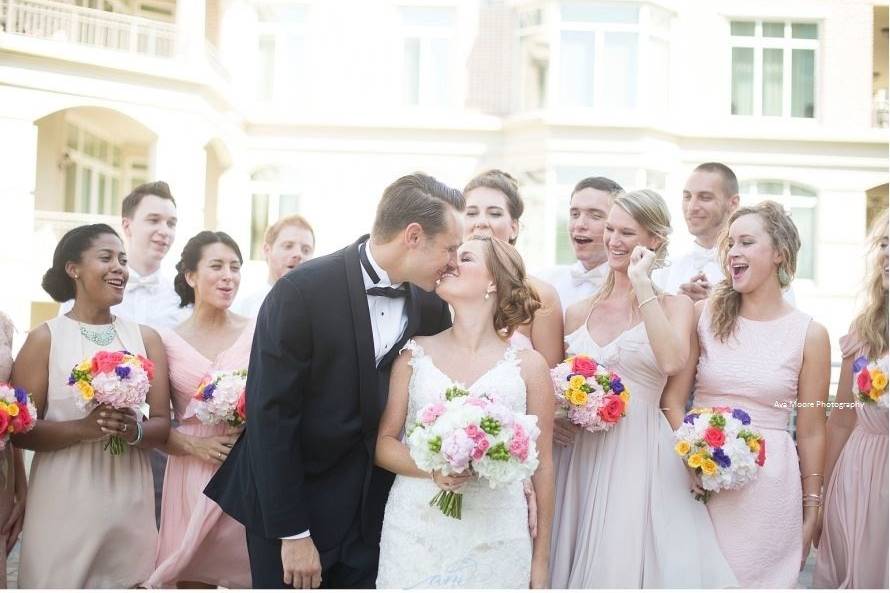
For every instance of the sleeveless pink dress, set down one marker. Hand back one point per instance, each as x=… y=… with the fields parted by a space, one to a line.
x=853 y=550
x=198 y=542
x=758 y=526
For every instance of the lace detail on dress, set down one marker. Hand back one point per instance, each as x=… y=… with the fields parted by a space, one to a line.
x=489 y=547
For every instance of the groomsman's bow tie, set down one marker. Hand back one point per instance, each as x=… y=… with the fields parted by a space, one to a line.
x=149 y=281
x=581 y=276
x=391 y=292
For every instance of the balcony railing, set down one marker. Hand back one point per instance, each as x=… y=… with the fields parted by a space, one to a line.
x=89 y=27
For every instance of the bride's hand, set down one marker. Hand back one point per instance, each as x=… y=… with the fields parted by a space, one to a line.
x=452 y=482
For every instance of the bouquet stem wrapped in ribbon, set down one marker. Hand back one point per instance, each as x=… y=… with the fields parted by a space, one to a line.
x=221 y=397
x=120 y=380
x=17 y=412
x=473 y=433
x=719 y=444
x=588 y=394
x=870 y=381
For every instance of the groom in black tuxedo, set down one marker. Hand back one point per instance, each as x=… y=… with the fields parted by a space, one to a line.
x=301 y=478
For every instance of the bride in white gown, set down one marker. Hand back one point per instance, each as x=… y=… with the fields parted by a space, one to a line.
x=490 y=546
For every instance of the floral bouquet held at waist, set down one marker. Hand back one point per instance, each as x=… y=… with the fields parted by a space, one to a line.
x=588 y=394
x=463 y=432
x=719 y=444
x=221 y=397
x=120 y=380
x=870 y=381
x=17 y=412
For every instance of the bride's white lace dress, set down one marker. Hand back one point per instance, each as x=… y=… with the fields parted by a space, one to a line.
x=490 y=546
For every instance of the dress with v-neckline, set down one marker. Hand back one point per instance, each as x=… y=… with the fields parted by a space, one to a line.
x=248 y=329
x=508 y=357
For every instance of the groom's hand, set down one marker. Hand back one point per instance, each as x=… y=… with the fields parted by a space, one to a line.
x=302 y=566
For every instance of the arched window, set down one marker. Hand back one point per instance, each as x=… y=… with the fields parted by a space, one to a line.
x=801 y=202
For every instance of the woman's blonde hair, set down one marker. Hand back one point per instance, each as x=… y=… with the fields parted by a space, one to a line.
x=725 y=302
x=651 y=212
x=517 y=300
x=870 y=325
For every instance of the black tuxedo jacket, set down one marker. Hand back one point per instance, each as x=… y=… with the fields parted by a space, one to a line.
x=314 y=401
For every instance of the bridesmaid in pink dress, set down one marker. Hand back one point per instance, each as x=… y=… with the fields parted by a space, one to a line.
x=199 y=546
x=13 y=484
x=754 y=351
x=853 y=550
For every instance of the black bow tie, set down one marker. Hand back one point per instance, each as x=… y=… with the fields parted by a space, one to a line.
x=384 y=291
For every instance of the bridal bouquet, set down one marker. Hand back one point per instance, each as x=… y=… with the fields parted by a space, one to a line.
x=588 y=394
x=871 y=381
x=719 y=444
x=221 y=398
x=17 y=412
x=463 y=432
x=120 y=380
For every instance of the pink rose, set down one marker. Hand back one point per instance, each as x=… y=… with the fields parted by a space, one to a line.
x=480 y=448
x=761 y=455
x=863 y=381
x=432 y=412
x=105 y=362
x=474 y=432
x=714 y=436
x=519 y=443
x=583 y=365
x=148 y=365
x=241 y=406
x=612 y=409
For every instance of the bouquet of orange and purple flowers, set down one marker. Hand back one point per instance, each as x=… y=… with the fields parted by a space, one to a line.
x=588 y=394
x=871 y=381
x=120 y=380
x=719 y=444
x=17 y=412
x=221 y=397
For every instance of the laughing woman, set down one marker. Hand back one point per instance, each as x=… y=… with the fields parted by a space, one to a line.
x=90 y=522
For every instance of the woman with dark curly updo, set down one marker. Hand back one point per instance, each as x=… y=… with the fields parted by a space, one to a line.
x=490 y=547
x=199 y=545
x=90 y=519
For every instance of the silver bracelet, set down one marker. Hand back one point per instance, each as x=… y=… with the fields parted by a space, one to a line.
x=139 y=435
x=652 y=298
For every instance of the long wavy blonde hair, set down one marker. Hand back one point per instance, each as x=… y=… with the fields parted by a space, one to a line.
x=871 y=322
x=725 y=302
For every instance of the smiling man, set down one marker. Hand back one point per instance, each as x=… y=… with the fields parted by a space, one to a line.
x=589 y=205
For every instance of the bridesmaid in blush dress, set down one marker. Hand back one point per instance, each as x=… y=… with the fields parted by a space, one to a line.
x=853 y=549
x=89 y=521
x=199 y=545
x=13 y=483
x=624 y=517
x=753 y=350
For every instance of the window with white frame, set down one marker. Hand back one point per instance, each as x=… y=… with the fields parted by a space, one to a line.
x=281 y=52
x=97 y=171
x=427 y=54
x=801 y=203
x=773 y=67
x=608 y=51
x=534 y=60
x=270 y=200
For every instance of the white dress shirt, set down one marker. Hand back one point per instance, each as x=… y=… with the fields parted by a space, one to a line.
x=573 y=282
x=249 y=306
x=148 y=300
x=389 y=319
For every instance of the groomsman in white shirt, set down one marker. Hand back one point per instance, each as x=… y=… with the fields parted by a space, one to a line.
x=710 y=196
x=588 y=208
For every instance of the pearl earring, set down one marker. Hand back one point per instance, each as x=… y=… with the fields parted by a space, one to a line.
x=487 y=295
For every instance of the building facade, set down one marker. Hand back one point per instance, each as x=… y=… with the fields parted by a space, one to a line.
x=252 y=109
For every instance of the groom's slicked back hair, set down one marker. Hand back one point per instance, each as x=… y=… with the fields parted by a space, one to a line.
x=416 y=198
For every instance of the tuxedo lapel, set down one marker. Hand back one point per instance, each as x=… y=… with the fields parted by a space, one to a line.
x=364 y=338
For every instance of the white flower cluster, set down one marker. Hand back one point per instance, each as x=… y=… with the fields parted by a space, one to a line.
x=217 y=398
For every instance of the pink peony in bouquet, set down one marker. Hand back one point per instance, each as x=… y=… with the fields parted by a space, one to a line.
x=221 y=397
x=588 y=394
x=463 y=432
x=120 y=380
x=17 y=412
